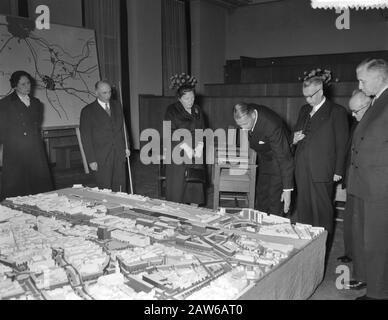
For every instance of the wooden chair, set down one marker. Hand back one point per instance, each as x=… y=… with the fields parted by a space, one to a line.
x=234 y=181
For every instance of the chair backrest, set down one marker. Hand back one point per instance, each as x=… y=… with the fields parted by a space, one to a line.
x=252 y=156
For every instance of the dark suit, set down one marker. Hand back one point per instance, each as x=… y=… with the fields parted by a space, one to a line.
x=103 y=141
x=270 y=139
x=368 y=183
x=25 y=164
x=348 y=213
x=319 y=156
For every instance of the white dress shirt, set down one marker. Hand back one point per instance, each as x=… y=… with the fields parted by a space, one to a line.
x=104 y=105
x=25 y=99
x=317 y=107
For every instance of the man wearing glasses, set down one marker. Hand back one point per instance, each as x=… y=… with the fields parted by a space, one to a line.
x=368 y=181
x=321 y=134
x=359 y=103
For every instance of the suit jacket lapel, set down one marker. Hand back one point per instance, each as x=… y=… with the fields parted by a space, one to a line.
x=372 y=113
x=101 y=110
x=320 y=116
x=260 y=130
x=115 y=112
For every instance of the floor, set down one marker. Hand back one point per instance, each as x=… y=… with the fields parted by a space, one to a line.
x=145 y=183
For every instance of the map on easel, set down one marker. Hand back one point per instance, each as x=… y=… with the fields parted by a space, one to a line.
x=63 y=60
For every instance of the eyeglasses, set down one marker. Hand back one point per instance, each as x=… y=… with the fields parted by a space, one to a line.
x=312 y=94
x=355 y=112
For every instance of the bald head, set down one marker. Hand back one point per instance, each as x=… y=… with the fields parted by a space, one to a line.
x=359 y=104
x=103 y=91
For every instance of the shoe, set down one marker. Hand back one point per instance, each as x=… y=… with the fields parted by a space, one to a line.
x=344 y=259
x=355 y=285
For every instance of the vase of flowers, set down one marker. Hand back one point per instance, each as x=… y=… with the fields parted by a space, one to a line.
x=324 y=74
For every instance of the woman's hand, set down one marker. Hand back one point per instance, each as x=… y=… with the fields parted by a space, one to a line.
x=189 y=151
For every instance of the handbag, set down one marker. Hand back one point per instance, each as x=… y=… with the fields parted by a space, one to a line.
x=195 y=173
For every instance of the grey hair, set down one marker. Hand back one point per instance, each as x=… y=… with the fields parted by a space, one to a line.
x=379 y=65
x=317 y=81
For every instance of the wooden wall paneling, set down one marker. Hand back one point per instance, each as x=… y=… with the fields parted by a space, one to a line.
x=152 y=110
x=343 y=101
x=232 y=74
x=288 y=69
x=219 y=110
x=347 y=57
x=248 y=62
x=273 y=89
x=256 y=75
x=294 y=105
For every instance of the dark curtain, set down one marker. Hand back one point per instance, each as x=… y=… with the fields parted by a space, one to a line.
x=104 y=17
x=174 y=41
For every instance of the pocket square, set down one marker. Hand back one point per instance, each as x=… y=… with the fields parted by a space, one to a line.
x=261 y=142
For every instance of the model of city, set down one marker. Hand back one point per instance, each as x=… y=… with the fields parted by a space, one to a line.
x=91 y=244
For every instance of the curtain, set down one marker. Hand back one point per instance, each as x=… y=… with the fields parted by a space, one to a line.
x=6 y=7
x=174 y=41
x=104 y=17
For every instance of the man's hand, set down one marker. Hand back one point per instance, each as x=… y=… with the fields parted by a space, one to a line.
x=93 y=166
x=127 y=153
x=286 y=198
x=337 y=178
x=298 y=135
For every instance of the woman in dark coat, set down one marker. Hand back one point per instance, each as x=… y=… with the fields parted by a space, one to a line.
x=184 y=114
x=25 y=166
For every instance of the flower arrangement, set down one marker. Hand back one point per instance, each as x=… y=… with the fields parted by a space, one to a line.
x=178 y=80
x=325 y=75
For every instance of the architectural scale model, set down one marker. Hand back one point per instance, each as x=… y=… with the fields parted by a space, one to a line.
x=90 y=244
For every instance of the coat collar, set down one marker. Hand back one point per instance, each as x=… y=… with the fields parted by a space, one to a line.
x=372 y=113
x=14 y=95
x=102 y=111
x=319 y=117
x=181 y=111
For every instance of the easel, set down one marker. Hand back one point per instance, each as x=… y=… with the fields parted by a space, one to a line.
x=65 y=131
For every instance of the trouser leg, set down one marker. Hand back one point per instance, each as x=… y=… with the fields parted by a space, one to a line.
x=347 y=235
x=376 y=248
x=357 y=236
x=119 y=175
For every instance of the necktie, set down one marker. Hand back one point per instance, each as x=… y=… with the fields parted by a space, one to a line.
x=107 y=109
x=313 y=111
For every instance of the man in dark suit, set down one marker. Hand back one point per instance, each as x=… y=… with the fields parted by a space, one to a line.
x=269 y=137
x=358 y=105
x=368 y=182
x=321 y=135
x=102 y=134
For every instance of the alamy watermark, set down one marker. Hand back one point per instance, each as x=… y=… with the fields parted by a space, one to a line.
x=42 y=22
x=170 y=146
x=344 y=277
